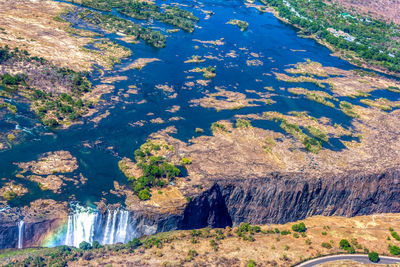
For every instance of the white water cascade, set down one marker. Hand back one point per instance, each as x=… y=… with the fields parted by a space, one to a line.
x=21 y=234
x=88 y=224
x=81 y=227
x=122 y=227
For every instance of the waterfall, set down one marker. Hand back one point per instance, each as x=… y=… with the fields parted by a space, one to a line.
x=108 y=228
x=81 y=226
x=88 y=224
x=122 y=226
x=111 y=237
x=21 y=234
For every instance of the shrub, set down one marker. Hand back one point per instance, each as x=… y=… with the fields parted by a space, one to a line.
x=395 y=235
x=85 y=245
x=186 y=161
x=96 y=244
x=218 y=126
x=326 y=245
x=134 y=243
x=251 y=263
x=9 y=195
x=394 y=250
x=152 y=242
x=285 y=232
x=300 y=227
x=373 y=256
x=241 y=123
x=192 y=253
x=144 y=194
x=344 y=244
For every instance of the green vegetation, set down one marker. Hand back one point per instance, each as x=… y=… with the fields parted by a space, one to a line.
x=191 y=254
x=395 y=235
x=5 y=54
x=172 y=15
x=10 y=82
x=246 y=232
x=251 y=263
x=285 y=232
x=345 y=245
x=394 y=250
x=362 y=37
x=317 y=133
x=9 y=195
x=216 y=127
x=209 y=72
x=319 y=99
x=326 y=245
x=118 y=25
x=347 y=109
x=241 y=123
x=85 y=245
x=51 y=108
x=157 y=172
x=300 y=227
x=381 y=103
x=373 y=256
x=316 y=96
x=310 y=143
x=394 y=89
x=9 y=107
x=185 y=161
x=243 y=25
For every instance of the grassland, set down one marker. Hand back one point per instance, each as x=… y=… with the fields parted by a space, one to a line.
x=265 y=245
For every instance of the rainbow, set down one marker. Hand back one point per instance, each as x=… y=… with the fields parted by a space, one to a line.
x=55 y=237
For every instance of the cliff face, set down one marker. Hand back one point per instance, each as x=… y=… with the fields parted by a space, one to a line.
x=8 y=236
x=280 y=199
x=273 y=199
x=33 y=232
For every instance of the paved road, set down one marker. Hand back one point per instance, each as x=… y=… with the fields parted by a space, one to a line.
x=361 y=258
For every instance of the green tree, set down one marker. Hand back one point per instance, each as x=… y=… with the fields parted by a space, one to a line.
x=144 y=194
x=134 y=243
x=344 y=244
x=394 y=250
x=373 y=256
x=85 y=245
x=96 y=244
x=300 y=227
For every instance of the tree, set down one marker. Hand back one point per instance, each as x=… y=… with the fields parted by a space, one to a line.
x=301 y=227
x=96 y=244
x=85 y=245
x=144 y=194
x=344 y=244
x=395 y=250
x=373 y=256
x=134 y=243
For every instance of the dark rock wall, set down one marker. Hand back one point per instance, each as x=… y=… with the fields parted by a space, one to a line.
x=280 y=199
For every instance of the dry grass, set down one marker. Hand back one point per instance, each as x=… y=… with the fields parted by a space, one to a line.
x=31 y=25
x=267 y=250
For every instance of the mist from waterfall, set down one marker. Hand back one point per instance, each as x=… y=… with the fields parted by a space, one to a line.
x=21 y=234
x=88 y=224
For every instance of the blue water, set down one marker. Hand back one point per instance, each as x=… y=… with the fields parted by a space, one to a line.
x=266 y=36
